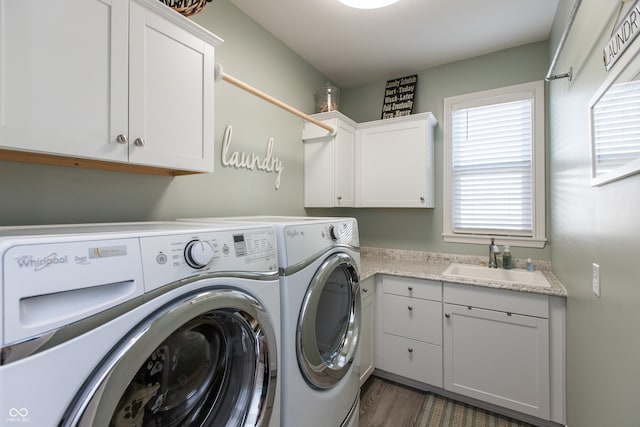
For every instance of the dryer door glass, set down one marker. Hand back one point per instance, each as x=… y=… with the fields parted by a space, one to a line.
x=329 y=322
x=217 y=368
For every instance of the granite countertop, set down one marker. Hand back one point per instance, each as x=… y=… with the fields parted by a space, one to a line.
x=430 y=266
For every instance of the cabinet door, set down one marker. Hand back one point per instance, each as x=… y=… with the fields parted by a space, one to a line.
x=497 y=357
x=318 y=174
x=329 y=170
x=171 y=75
x=395 y=163
x=366 y=335
x=345 y=166
x=63 y=77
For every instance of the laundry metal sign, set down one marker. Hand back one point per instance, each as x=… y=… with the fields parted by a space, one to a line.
x=251 y=161
x=626 y=32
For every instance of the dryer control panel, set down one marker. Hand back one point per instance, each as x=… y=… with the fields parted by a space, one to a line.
x=304 y=241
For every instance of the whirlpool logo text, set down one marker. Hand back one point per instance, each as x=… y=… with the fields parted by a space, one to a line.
x=29 y=261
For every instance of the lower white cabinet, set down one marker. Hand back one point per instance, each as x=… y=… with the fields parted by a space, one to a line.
x=496 y=347
x=367 y=327
x=409 y=338
x=503 y=347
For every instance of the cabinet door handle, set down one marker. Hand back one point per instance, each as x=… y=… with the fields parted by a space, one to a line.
x=139 y=142
x=447 y=315
x=410 y=308
x=422 y=199
x=410 y=349
x=122 y=139
x=410 y=288
x=365 y=290
x=339 y=198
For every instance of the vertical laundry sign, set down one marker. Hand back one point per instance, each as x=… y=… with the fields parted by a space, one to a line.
x=399 y=97
x=626 y=32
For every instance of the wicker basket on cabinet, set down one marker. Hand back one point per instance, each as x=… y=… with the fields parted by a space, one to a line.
x=186 y=7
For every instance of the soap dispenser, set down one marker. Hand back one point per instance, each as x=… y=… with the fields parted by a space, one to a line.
x=506 y=258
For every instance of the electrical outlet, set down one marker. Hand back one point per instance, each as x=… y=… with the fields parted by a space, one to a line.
x=596 y=279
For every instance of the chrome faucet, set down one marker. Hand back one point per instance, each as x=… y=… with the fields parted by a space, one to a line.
x=494 y=250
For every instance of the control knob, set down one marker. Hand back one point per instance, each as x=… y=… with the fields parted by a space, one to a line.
x=333 y=233
x=198 y=253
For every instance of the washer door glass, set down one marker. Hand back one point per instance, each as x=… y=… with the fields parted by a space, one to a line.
x=329 y=322
x=217 y=368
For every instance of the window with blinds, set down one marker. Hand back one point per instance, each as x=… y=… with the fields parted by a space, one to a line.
x=494 y=166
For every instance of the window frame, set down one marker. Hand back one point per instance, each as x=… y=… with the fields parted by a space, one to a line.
x=535 y=92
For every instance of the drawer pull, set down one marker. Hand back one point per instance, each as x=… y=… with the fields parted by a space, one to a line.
x=410 y=288
x=410 y=308
x=447 y=315
x=365 y=290
x=410 y=349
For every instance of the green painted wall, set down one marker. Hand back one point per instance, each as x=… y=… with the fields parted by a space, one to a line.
x=421 y=229
x=593 y=224
x=36 y=194
x=585 y=224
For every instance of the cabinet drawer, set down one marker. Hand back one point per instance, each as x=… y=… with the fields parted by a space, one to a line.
x=416 y=288
x=497 y=299
x=412 y=318
x=412 y=359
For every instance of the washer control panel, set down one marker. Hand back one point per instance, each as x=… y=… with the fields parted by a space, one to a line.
x=173 y=257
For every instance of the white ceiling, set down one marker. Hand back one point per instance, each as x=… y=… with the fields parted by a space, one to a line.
x=353 y=46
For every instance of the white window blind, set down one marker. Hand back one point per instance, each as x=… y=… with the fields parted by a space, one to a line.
x=616 y=127
x=492 y=169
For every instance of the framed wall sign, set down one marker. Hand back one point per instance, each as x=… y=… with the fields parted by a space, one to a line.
x=614 y=113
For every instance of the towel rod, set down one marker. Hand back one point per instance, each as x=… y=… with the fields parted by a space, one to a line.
x=221 y=75
x=563 y=39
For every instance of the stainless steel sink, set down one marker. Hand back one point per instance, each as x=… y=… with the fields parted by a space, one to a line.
x=496 y=275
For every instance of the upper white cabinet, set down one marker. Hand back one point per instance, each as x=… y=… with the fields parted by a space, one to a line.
x=112 y=82
x=394 y=166
x=329 y=176
x=384 y=163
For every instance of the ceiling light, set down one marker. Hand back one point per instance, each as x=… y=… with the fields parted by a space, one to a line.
x=368 y=4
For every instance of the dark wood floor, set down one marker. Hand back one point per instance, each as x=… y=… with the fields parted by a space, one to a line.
x=388 y=404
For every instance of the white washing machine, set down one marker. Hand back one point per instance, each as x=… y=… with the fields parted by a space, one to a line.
x=139 y=324
x=321 y=309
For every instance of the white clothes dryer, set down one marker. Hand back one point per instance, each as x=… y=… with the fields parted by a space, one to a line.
x=139 y=324
x=320 y=312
